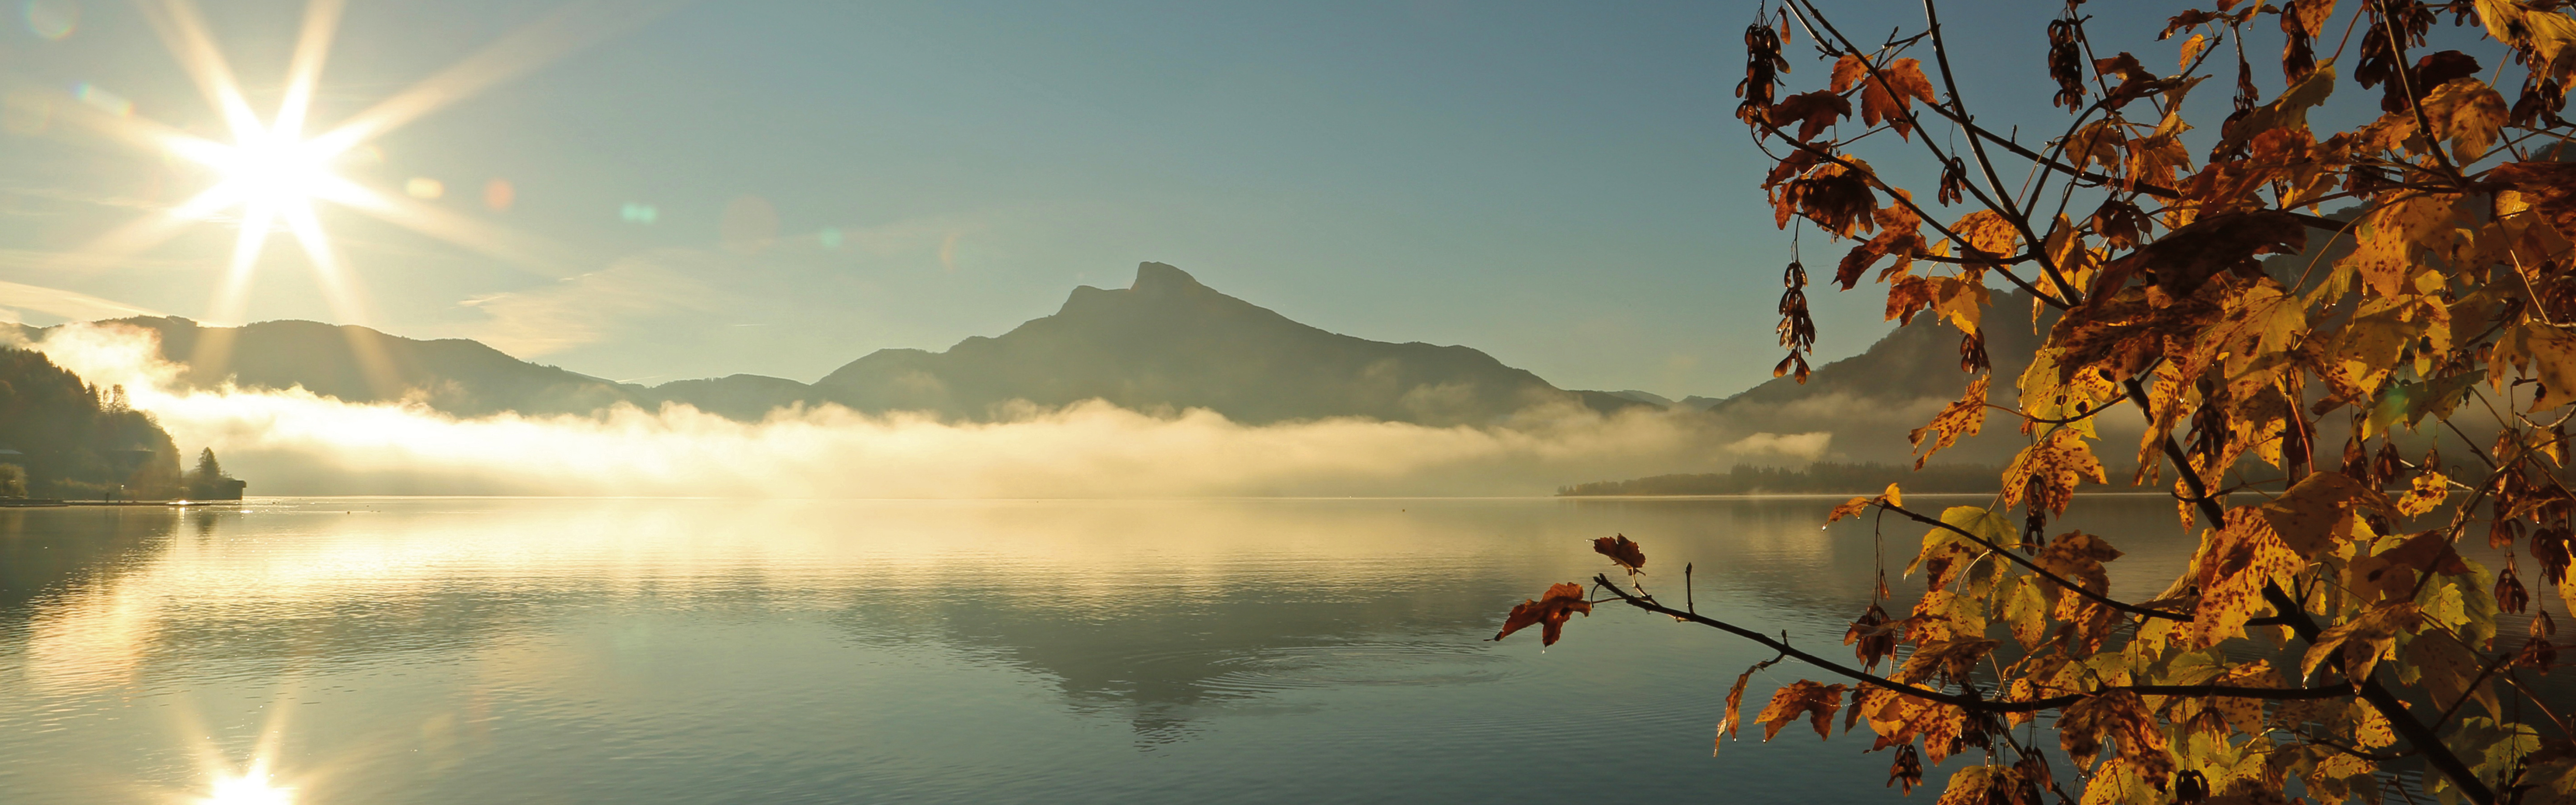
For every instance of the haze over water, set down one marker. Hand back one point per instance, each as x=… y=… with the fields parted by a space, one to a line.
x=396 y=650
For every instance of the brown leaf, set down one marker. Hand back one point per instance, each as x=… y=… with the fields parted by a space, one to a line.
x=2357 y=645
x=2549 y=186
x=1621 y=551
x=1872 y=637
x=1812 y=111
x=2306 y=516
x=2118 y=715
x=2184 y=258
x=1549 y=613
x=2077 y=556
x=1906 y=769
x=1816 y=702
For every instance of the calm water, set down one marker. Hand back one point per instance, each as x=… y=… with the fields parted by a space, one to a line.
x=409 y=650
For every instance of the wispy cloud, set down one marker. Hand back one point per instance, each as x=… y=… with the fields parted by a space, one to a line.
x=71 y=305
x=591 y=308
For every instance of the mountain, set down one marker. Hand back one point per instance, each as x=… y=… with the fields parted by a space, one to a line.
x=1169 y=342
x=1165 y=343
x=1869 y=401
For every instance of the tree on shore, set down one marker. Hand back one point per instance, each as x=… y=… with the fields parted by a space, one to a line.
x=2428 y=288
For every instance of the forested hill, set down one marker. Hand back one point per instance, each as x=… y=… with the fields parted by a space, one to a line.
x=75 y=440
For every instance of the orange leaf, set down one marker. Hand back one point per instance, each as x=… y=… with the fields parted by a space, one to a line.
x=1549 y=613
x=1890 y=93
x=1961 y=418
x=1623 y=552
x=1735 y=705
x=1816 y=702
x=1851 y=508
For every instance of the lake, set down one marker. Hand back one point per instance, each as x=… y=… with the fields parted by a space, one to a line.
x=443 y=650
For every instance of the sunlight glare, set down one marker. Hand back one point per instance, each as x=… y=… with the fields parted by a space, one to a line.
x=251 y=787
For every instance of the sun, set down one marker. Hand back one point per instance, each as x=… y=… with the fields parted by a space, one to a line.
x=277 y=169
x=270 y=175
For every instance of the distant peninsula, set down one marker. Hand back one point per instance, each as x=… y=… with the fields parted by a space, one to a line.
x=1821 y=478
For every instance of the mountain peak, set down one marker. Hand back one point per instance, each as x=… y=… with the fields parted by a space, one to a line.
x=1151 y=276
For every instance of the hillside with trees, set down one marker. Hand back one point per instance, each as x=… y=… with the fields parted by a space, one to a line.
x=70 y=439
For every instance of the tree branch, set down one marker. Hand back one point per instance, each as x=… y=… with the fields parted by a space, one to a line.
x=1967 y=702
x=2296 y=617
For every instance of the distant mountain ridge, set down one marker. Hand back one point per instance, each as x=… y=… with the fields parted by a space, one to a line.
x=1165 y=343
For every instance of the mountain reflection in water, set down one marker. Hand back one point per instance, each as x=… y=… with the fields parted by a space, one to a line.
x=685 y=651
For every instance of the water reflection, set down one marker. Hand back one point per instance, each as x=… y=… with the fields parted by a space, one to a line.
x=438 y=650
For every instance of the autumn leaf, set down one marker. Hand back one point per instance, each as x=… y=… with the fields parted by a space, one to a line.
x=2310 y=517
x=2119 y=716
x=1735 y=705
x=1621 y=551
x=2468 y=114
x=2356 y=646
x=2451 y=671
x=2049 y=471
x=1888 y=96
x=1851 y=508
x=2430 y=489
x=1549 y=613
x=2024 y=608
x=2226 y=243
x=1803 y=698
x=1813 y=112
x=1974 y=785
x=2239 y=559
x=1960 y=418
x=2549 y=353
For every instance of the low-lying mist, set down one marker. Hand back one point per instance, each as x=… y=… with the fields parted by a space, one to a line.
x=297 y=443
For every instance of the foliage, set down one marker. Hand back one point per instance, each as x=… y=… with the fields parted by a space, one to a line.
x=77 y=440
x=13 y=481
x=208 y=481
x=2439 y=299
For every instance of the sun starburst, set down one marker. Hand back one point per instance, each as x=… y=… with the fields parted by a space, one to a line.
x=271 y=175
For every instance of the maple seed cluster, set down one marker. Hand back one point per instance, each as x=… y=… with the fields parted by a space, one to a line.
x=2343 y=354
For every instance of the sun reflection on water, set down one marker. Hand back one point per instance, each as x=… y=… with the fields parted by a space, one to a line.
x=254 y=786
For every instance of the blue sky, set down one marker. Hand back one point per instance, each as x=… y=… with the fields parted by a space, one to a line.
x=1558 y=184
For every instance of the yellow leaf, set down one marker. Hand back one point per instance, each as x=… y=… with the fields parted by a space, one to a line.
x=2450 y=671
x=2550 y=353
x=1969 y=786
x=2309 y=517
x=2468 y=113
x=2429 y=491
x=1894 y=497
x=2056 y=464
x=2025 y=609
